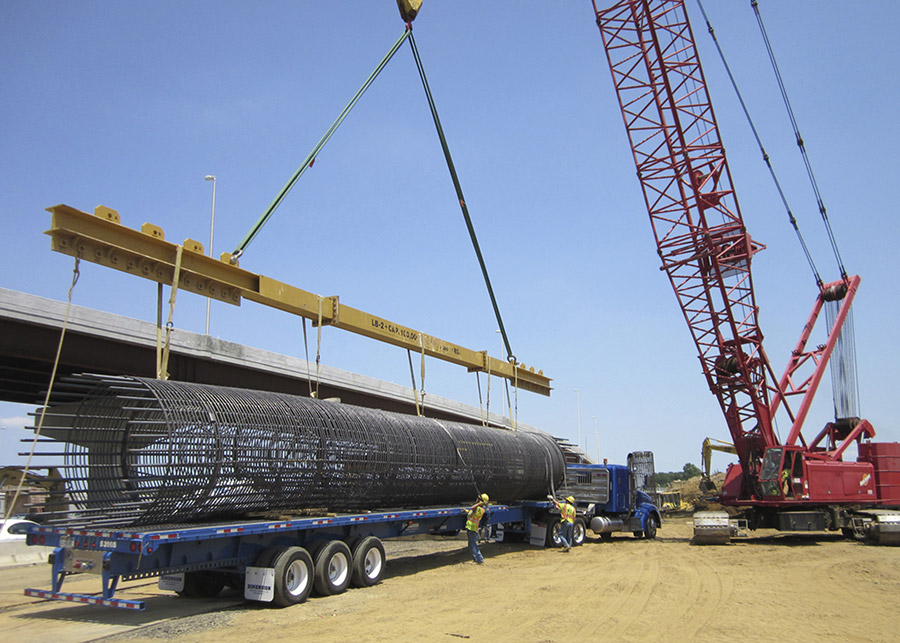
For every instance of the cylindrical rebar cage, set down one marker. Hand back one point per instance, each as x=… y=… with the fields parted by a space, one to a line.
x=144 y=451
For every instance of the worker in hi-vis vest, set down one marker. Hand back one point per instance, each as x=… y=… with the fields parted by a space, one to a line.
x=566 y=520
x=474 y=514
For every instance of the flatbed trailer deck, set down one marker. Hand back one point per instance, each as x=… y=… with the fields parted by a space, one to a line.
x=234 y=549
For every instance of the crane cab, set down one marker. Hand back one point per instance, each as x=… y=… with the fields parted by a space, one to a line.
x=783 y=474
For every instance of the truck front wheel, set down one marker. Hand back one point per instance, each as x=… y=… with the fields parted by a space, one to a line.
x=650 y=529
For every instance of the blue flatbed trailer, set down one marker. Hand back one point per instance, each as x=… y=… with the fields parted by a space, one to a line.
x=282 y=561
x=208 y=554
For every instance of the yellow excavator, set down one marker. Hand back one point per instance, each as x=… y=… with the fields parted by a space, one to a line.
x=710 y=445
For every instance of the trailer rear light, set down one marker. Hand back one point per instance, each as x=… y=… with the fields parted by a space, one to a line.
x=42 y=539
x=134 y=546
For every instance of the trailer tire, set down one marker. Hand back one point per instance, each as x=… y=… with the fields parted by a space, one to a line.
x=268 y=556
x=333 y=570
x=579 y=532
x=368 y=562
x=554 y=537
x=203 y=584
x=650 y=529
x=294 y=573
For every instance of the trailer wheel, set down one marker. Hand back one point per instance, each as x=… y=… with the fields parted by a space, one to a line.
x=579 y=532
x=293 y=576
x=268 y=556
x=554 y=537
x=202 y=584
x=368 y=562
x=332 y=570
x=650 y=530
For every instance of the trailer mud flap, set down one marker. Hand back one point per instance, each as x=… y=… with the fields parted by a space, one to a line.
x=538 y=536
x=259 y=584
x=171 y=582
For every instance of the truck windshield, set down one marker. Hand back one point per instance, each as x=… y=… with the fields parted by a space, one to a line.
x=771 y=464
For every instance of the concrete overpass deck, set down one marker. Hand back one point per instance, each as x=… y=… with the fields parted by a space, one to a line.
x=100 y=342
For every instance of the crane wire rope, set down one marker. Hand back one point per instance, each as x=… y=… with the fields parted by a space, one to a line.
x=843 y=363
x=459 y=193
x=311 y=157
x=762 y=149
x=76 y=273
x=799 y=139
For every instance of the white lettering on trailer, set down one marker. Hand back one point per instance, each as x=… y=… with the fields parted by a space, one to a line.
x=259 y=584
x=171 y=582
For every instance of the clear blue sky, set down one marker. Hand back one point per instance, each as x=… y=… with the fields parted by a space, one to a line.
x=130 y=104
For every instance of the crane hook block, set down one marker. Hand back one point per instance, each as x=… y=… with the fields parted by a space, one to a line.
x=409 y=9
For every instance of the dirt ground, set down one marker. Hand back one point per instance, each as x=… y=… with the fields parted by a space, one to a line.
x=773 y=587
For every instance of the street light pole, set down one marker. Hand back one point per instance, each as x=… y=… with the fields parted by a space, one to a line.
x=578 y=394
x=212 y=225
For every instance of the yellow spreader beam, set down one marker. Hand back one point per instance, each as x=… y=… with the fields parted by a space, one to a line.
x=101 y=238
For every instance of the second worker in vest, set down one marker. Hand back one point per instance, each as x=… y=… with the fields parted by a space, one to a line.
x=474 y=514
x=566 y=520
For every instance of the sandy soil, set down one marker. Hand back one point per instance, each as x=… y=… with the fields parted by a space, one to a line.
x=774 y=587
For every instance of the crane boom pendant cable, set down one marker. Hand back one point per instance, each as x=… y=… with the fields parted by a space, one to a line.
x=459 y=194
x=762 y=149
x=799 y=138
x=310 y=159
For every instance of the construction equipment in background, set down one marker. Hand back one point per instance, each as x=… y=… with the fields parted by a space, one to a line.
x=706 y=252
x=672 y=501
x=709 y=445
x=42 y=490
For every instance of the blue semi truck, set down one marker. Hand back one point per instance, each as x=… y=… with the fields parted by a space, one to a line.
x=283 y=561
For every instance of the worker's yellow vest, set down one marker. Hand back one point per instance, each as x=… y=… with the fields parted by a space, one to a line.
x=473 y=518
x=567 y=512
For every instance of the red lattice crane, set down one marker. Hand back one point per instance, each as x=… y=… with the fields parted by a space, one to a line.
x=706 y=252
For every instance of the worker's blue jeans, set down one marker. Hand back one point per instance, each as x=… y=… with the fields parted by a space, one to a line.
x=566 y=531
x=473 y=546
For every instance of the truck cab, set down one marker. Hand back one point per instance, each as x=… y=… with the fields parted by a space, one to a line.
x=612 y=497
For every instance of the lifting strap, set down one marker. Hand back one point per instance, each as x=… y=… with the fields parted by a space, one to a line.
x=309 y=379
x=318 y=347
x=418 y=395
x=459 y=193
x=76 y=273
x=163 y=371
x=311 y=158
